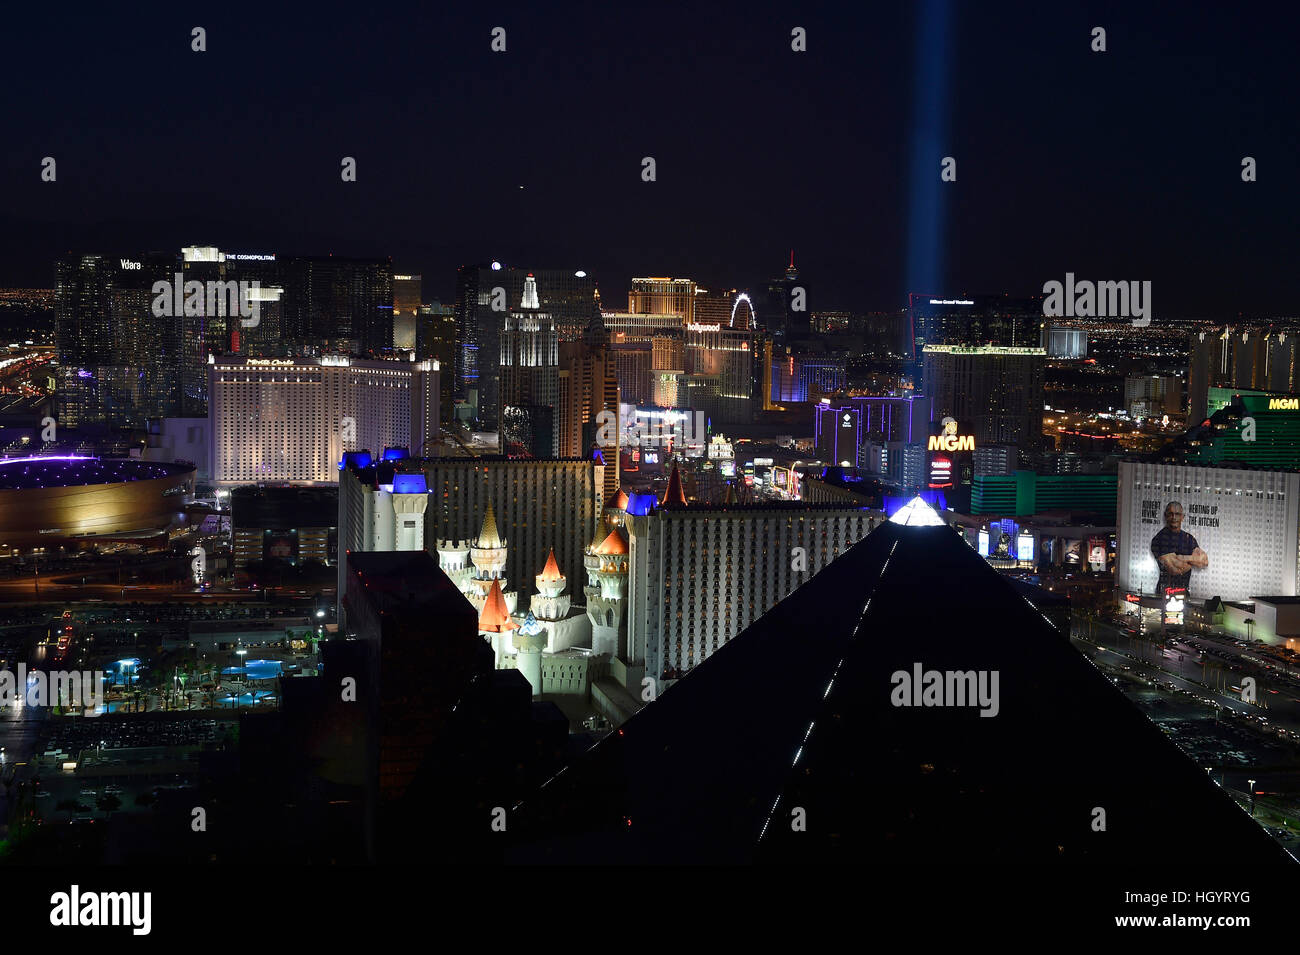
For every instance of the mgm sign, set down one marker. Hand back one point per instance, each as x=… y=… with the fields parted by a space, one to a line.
x=950 y=440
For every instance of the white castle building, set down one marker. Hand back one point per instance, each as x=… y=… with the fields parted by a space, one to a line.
x=477 y=567
x=551 y=635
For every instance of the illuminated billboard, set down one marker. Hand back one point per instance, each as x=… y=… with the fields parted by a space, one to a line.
x=1207 y=531
x=1173 y=600
x=1096 y=554
x=940 y=471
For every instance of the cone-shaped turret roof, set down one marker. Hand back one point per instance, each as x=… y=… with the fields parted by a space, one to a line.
x=488 y=537
x=612 y=545
x=674 y=494
x=495 y=618
x=551 y=572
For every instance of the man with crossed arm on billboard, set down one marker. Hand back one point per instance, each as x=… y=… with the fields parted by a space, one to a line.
x=1176 y=551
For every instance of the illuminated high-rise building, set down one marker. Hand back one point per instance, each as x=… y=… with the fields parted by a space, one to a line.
x=293 y=419
x=1240 y=357
x=567 y=296
x=332 y=300
x=974 y=320
x=700 y=574
x=588 y=413
x=760 y=378
x=995 y=393
x=529 y=368
x=718 y=365
x=118 y=364
x=667 y=368
x=663 y=296
x=625 y=327
x=435 y=338
x=799 y=378
x=407 y=292
x=215 y=329
x=633 y=363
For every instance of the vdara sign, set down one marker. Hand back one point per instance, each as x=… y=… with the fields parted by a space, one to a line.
x=1284 y=404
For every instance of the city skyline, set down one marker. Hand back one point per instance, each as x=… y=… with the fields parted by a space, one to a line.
x=1149 y=192
x=745 y=434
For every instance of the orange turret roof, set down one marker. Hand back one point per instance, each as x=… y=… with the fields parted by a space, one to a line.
x=495 y=618
x=620 y=502
x=612 y=545
x=551 y=572
x=674 y=494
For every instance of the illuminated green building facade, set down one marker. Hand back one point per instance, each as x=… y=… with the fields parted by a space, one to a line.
x=1025 y=493
x=1257 y=428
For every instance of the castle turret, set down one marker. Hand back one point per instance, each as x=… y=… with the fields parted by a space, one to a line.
x=494 y=621
x=487 y=554
x=550 y=603
x=606 y=593
x=529 y=641
x=453 y=560
x=489 y=551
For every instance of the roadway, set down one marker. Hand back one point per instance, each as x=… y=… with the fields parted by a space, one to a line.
x=1177 y=667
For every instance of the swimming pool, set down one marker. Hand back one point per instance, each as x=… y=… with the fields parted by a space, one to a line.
x=257 y=669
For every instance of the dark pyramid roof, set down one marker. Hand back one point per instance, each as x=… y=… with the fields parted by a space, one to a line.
x=695 y=776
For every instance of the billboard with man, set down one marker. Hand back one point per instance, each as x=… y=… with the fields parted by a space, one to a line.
x=1206 y=532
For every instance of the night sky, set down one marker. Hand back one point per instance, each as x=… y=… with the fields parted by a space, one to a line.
x=1116 y=165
